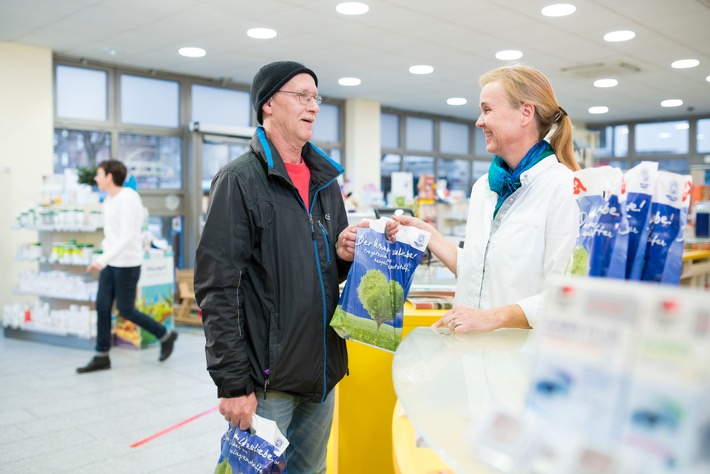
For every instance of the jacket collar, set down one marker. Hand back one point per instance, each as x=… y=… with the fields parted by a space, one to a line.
x=529 y=176
x=323 y=169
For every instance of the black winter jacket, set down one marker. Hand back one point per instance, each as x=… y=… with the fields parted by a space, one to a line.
x=267 y=275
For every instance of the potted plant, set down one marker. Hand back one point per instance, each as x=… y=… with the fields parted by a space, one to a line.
x=85 y=175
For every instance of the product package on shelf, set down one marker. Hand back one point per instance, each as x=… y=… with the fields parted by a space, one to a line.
x=586 y=347
x=669 y=216
x=640 y=184
x=602 y=245
x=371 y=306
x=619 y=383
x=667 y=418
x=155 y=298
x=632 y=225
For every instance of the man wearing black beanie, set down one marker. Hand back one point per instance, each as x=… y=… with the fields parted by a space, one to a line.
x=275 y=246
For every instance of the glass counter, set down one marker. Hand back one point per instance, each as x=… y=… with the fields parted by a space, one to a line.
x=447 y=382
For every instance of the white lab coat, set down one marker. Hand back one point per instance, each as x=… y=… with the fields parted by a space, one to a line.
x=509 y=260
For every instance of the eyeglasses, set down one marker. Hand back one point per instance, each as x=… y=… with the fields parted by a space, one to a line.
x=305 y=98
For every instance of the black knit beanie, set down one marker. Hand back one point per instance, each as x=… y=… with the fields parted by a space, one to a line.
x=270 y=78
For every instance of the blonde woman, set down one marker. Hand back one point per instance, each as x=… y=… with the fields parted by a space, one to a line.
x=523 y=218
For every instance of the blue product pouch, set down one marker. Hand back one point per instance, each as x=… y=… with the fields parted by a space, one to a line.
x=371 y=306
x=258 y=450
x=640 y=181
x=602 y=244
x=669 y=216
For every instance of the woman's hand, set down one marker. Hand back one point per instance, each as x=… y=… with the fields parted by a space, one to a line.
x=465 y=318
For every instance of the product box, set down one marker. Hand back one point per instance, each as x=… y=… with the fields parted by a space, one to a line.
x=586 y=348
x=667 y=420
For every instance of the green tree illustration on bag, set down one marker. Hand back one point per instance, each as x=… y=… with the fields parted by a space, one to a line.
x=381 y=299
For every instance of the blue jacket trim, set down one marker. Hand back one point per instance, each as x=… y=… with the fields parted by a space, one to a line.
x=265 y=145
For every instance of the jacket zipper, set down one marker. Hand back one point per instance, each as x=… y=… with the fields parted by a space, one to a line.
x=327 y=244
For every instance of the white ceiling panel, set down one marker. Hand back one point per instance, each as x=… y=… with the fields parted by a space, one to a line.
x=459 y=38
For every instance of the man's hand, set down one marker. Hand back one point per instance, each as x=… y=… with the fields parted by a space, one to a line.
x=238 y=411
x=346 y=241
x=94 y=266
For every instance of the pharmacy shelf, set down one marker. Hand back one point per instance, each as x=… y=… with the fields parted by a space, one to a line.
x=59 y=339
x=51 y=295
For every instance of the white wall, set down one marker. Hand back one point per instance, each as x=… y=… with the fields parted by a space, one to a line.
x=26 y=128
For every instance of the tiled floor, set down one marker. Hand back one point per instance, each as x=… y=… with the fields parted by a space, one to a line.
x=55 y=420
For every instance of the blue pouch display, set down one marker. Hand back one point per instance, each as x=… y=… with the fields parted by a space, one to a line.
x=669 y=216
x=258 y=450
x=602 y=245
x=640 y=182
x=371 y=306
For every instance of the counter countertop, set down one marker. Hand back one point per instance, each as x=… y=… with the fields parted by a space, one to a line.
x=447 y=382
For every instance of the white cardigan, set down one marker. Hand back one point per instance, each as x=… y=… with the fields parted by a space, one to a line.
x=123 y=221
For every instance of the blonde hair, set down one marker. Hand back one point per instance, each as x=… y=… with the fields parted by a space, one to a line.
x=526 y=85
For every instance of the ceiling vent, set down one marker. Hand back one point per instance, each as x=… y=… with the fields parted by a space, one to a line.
x=600 y=70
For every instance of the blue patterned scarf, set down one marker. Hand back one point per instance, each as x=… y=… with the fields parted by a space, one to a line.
x=505 y=181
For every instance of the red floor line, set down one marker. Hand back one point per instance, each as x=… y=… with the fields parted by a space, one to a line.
x=171 y=428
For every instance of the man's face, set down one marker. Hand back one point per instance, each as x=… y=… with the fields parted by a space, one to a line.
x=102 y=179
x=288 y=116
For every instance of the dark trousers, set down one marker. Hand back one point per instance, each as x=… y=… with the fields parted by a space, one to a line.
x=119 y=284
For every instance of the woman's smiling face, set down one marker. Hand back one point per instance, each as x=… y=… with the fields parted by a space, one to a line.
x=499 y=120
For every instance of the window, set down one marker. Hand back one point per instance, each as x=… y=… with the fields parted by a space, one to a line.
x=435 y=146
x=219 y=106
x=419 y=134
x=155 y=161
x=81 y=93
x=327 y=126
x=703 y=136
x=455 y=138
x=621 y=140
x=613 y=141
x=456 y=173
x=147 y=101
x=665 y=138
x=480 y=141
x=217 y=153
x=418 y=166
x=388 y=164
x=480 y=168
x=75 y=148
x=679 y=165
x=389 y=130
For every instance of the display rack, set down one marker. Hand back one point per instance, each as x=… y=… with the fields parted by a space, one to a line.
x=66 y=237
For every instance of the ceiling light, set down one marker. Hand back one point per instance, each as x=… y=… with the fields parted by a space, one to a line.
x=110 y=51
x=191 y=52
x=456 y=101
x=707 y=78
x=561 y=9
x=606 y=83
x=685 y=63
x=672 y=103
x=509 y=55
x=352 y=8
x=421 y=69
x=616 y=36
x=599 y=109
x=349 y=81
x=261 y=33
